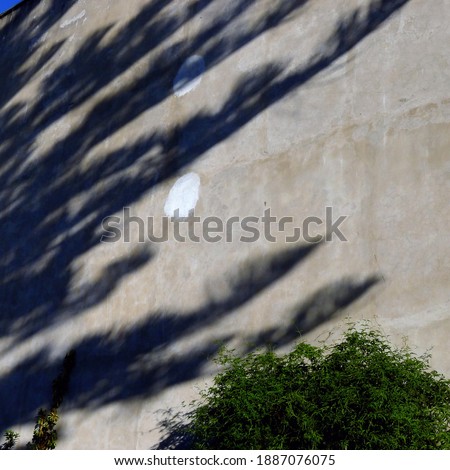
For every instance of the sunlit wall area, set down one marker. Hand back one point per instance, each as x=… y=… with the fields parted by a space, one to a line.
x=180 y=175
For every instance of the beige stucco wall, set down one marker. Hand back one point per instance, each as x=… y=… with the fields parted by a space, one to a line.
x=90 y=124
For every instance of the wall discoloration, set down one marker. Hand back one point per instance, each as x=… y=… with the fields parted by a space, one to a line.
x=189 y=76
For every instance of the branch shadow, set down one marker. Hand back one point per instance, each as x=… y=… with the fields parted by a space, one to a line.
x=43 y=231
x=320 y=307
x=140 y=360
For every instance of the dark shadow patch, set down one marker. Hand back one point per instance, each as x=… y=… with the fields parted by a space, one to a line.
x=320 y=307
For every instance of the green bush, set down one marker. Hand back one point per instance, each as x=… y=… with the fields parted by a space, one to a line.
x=10 y=440
x=359 y=394
x=45 y=434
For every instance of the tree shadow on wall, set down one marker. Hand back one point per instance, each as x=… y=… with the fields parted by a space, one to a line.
x=55 y=192
x=143 y=359
x=140 y=360
x=318 y=308
x=53 y=201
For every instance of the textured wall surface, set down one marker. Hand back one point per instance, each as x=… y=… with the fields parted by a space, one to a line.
x=229 y=107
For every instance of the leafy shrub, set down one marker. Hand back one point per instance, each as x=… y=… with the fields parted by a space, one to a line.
x=45 y=434
x=10 y=440
x=358 y=394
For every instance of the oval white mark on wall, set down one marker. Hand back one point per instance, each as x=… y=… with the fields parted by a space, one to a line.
x=189 y=76
x=183 y=196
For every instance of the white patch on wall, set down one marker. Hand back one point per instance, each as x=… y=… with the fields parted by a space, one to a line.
x=189 y=76
x=183 y=196
x=73 y=20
